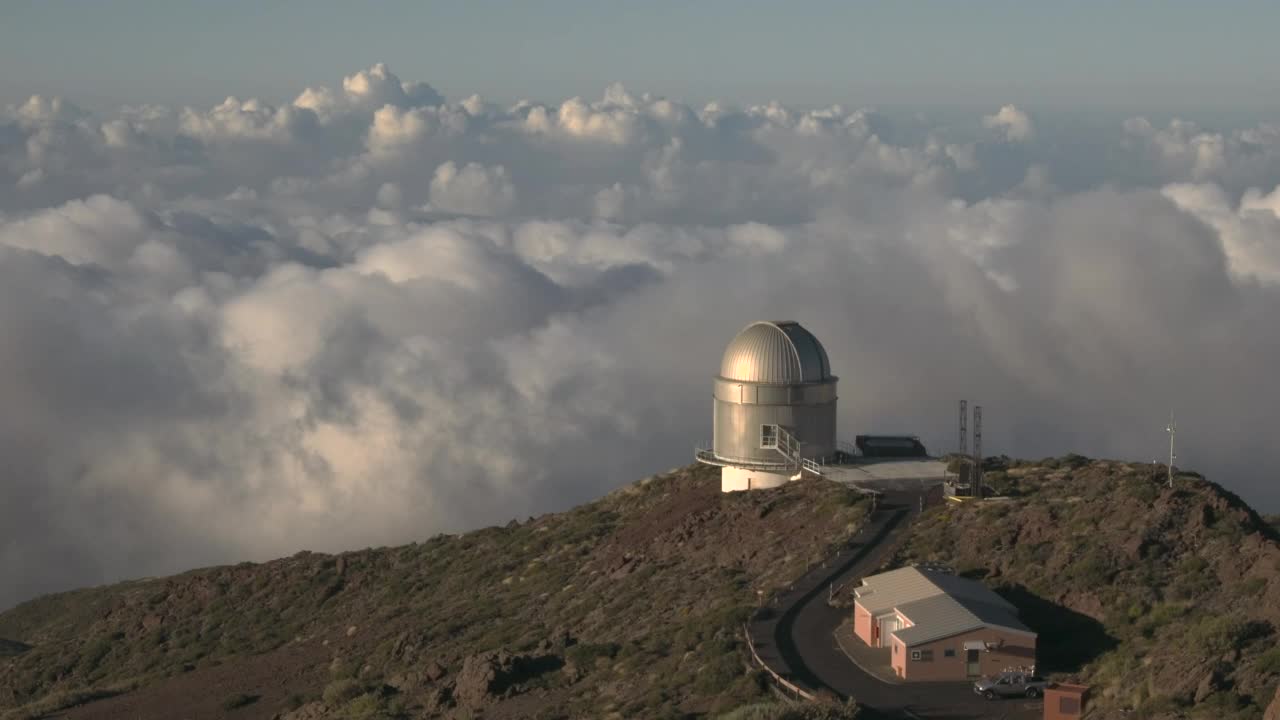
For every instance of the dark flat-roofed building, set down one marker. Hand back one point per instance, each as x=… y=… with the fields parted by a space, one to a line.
x=873 y=446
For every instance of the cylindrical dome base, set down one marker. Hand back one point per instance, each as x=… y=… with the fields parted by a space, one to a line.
x=733 y=479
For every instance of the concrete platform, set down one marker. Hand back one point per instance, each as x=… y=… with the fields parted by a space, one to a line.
x=893 y=469
x=889 y=475
x=875 y=662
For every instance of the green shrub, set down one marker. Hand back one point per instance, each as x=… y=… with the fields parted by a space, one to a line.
x=1192 y=565
x=1092 y=570
x=757 y=711
x=787 y=711
x=1159 y=706
x=1225 y=705
x=1219 y=634
x=95 y=651
x=1253 y=586
x=1193 y=577
x=1073 y=461
x=584 y=654
x=366 y=707
x=718 y=674
x=1269 y=662
x=69 y=698
x=341 y=691
x=1228 y=528
x=1159 y=616
x=1141 y=489
x=239 y=700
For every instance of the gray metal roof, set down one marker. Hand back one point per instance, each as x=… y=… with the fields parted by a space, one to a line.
x=780 y=352
x=937 y=604
x=942 y=616
x=883 y=592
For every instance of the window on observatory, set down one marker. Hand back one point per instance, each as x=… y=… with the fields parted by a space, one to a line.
x=768 y=436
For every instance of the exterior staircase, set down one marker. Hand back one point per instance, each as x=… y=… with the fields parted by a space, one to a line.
x=782 y=441
x=788 y=445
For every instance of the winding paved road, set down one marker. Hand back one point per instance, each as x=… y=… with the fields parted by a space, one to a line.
x=799 y=640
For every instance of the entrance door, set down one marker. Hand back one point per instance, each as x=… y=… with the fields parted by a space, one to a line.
x=972 y=667
x=888 y=626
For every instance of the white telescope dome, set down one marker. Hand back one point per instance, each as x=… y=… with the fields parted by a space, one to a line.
x=773 y=408
x=775 y=352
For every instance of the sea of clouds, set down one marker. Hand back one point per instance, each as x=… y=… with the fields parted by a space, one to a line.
x=374 y=314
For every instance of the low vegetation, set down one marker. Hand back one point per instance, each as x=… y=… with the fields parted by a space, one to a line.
x=793 y=711
x=626 y=607
x=1167 y=601
x=238 y=701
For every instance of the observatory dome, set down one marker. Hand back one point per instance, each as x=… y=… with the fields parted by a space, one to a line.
x=781 y=352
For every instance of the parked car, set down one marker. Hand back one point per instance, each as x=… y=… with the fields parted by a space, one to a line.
x=1011 y=684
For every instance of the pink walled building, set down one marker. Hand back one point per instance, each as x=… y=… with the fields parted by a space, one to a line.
x=938 y=626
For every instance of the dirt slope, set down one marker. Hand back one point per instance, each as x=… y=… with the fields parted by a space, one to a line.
x=625 y=607
x=1167 y=601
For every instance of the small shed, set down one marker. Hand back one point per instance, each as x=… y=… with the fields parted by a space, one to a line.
x=1065 y=702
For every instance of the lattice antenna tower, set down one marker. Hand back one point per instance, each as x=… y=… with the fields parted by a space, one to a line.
x=1172 y=429
x=964 y=428
x=977 y=451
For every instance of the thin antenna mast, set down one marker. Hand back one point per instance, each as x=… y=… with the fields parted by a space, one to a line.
x=1172 y=429
x=977 y=451
x=964 y=429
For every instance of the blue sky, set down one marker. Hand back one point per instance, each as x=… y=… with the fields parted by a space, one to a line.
x=1174 y=56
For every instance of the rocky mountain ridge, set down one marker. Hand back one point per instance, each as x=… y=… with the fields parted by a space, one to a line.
x=625 y=607
x=1167 y=601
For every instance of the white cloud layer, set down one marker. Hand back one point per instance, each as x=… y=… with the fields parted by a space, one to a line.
x=373 y=314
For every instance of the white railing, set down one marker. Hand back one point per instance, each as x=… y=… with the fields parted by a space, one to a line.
x=711 y=457
x=786 y=444
x=703 y=455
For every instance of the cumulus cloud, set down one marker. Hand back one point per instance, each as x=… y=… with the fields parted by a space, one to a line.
x=1248 y=230
x=374 y=313
x=253 y=120
x=472 y=189
x=369 y=89
x=1014 y=123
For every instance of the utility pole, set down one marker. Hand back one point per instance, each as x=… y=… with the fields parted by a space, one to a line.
x=964 y=430
x=977 y=451
x=1172 y=429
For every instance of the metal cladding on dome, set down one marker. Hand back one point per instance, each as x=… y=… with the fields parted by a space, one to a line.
x=777 y=353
